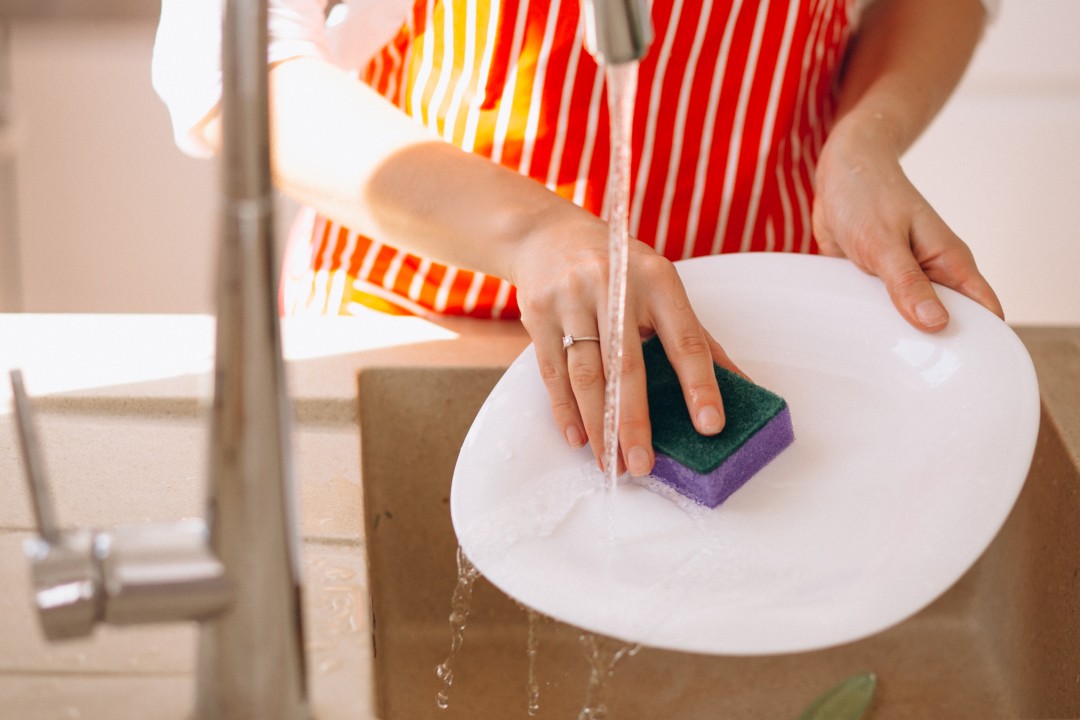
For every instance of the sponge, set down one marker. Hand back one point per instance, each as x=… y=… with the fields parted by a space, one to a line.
x=709 y=468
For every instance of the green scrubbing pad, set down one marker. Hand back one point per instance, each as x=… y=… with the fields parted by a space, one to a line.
x=710 y=468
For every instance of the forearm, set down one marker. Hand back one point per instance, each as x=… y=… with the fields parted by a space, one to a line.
x=346 y=151
x=905 y=59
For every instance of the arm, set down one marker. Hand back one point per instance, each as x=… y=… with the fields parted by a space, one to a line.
x=342 y=148
x=906 y=58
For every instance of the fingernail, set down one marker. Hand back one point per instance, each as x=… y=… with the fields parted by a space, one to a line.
x=638 y=461
x=930 y=313
x=573 y=437
x=708 y=420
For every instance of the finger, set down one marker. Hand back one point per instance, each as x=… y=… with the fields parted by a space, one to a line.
x=831 y=250
x=635 y=431
x=691 y=354
x=585 y=369
x=955 y=268
x=721 y=358
x=553 y=370
x=966 y=279
x=826 y=245
x=822 y=229
x=908 y=286
x=978 y=289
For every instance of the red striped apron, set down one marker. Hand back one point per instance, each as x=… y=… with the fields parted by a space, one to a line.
x=734 y=100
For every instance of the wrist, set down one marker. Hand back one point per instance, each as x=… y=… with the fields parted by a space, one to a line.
x=875 y=127
x=541 y=235
x=862 y=140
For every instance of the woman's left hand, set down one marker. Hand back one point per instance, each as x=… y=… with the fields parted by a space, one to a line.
x=867 y=210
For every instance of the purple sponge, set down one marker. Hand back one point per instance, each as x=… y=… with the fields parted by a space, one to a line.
x=708 y=469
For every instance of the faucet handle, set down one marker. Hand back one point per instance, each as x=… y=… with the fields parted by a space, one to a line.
x=35 y=468
x=67 y=584
x=126 y=575
x=66 y=577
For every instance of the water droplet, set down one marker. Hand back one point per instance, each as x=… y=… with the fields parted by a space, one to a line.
x=339 y=574
x=330 y=665
x=444 y=673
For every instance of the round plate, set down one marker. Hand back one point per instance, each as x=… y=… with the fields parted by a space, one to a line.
x=910 y=450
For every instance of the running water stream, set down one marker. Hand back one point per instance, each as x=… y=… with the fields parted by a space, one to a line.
x=621 y=89
x=531 y=647
x=602 y=653
x=459 y=614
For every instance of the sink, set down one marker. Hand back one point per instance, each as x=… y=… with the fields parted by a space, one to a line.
x=1003 y=642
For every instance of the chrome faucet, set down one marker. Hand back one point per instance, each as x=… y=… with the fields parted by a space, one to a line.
x=617 y=31
x=237 y=573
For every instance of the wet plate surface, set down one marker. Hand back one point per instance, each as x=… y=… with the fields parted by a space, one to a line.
x=910 y=451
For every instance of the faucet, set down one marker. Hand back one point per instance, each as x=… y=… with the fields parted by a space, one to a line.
x=238 y=571
x=617 y=31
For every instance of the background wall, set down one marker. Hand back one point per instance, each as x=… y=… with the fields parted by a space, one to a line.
x=112 y=218
x=1001 y=163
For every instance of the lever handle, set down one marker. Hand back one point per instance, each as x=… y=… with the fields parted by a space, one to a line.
x=66 y=578
x=138 y=574
x=32 y=462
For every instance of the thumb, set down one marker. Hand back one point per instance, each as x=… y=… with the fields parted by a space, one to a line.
x=909 y=288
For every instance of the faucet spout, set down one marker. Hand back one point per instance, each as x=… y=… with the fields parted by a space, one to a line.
x=617 y=31
x=238 y=573
x=251 y=656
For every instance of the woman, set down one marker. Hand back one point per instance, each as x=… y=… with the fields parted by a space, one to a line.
x=461 y=166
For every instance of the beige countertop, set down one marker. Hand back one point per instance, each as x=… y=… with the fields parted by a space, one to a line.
x=121 y=402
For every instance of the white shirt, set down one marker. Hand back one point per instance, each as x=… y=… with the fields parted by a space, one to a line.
x=186 y=66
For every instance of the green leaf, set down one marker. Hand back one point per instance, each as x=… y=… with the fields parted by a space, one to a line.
x=847 y=700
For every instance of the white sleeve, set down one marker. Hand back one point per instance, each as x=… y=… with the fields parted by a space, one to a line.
x=186 y=66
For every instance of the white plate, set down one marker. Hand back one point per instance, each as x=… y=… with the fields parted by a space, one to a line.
x=910 y=451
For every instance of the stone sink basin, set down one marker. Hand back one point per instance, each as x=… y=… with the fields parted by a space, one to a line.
x=1003 y=642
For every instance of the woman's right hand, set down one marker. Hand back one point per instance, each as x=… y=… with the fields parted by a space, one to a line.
x=561 y=274
x=397 y=181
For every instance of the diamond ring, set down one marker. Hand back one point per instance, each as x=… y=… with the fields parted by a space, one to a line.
x=569 y=340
